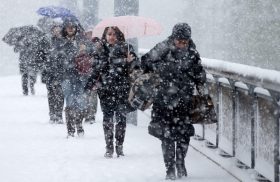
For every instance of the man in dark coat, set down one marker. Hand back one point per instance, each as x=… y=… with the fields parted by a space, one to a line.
x=32 y=49
x=178 y=65
x=53 y=75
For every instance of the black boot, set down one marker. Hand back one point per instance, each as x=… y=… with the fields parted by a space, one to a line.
x=79 y=116
x=120 y=133
x=170 y=174
x=70 y=122
x=108 y=127
x=119 y=150
x=168 y=150
x=181 y=151
x=109 y=153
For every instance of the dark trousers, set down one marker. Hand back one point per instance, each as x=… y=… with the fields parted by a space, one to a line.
x=174 y=153
x=56 y=101
x=120 y=128
x=28 y=79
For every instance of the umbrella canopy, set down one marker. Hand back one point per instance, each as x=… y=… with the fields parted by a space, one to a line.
x=131 y=26
x=55 y=12
x=17 y=34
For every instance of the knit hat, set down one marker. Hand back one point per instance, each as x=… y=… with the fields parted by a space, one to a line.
x=181 y=31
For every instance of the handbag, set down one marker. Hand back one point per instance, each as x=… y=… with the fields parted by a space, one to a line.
x=202 y=110
x=155 y=129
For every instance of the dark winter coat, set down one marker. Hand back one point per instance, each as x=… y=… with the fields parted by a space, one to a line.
x=32 y=53
x=112 y=72
x=53 y=68
x=180 y=70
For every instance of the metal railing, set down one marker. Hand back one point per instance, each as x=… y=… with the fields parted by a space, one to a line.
x=248 y=107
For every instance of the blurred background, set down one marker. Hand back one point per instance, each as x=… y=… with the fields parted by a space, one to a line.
x=246 y=32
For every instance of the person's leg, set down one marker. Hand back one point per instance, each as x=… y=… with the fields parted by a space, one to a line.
x=79 y=116
x=92 y=107
x=70 y=121
x=168 y=150
x=51 y=100
x=32 y=81
x=181 y=151
x=58 y=102
x=108 y=127
x=120 y=132
x=69 y=114
x=24 y=83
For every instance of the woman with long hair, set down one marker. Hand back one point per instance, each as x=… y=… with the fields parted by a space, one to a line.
x=113 y=75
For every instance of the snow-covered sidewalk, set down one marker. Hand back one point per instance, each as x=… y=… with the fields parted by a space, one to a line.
x=32 y=150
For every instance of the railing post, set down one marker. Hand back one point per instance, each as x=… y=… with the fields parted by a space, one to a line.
x=218 y=108
x=253 y=121
x=276 y=100
x=234 y=110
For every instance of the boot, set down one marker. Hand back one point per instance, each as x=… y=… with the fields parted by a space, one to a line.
x=181 y=171
x=70 y=122
x=119 y=150
x=109 y=153
x=181 y=151
x=170 y=174
x=79 y=116
x=120 y=134
x=108 y=127
x=168 y=150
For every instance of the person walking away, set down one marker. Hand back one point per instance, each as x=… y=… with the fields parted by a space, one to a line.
x=178 y=64
x=113 y=74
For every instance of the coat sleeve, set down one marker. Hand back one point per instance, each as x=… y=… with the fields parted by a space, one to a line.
x=199 y=74
x=150 y=59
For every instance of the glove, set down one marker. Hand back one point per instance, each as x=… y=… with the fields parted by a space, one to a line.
x=200 y=89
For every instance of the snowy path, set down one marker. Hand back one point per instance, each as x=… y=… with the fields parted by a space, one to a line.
x=33 y=150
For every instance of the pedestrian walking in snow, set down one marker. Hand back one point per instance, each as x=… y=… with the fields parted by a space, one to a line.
x=178 y=65
x=73 y=82
x=113 y=74
x=53 y=73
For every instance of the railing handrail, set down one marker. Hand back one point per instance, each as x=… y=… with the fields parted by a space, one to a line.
x=265 y=78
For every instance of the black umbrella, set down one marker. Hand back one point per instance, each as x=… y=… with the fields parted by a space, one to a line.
x=25 y=34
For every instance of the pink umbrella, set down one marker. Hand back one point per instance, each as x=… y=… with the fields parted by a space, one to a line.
x=131 y=26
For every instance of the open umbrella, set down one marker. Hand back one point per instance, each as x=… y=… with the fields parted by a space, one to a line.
x=17 y=34
x=55 y=12
x=131 y=26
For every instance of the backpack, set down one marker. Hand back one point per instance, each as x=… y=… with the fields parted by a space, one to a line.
x=83 y=64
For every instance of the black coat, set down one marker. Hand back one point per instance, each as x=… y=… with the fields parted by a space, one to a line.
x=32 y=53
x=112 y=72
x=53 y=68
x=180 y=70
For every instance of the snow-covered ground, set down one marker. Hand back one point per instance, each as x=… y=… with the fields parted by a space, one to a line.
x=33 y=150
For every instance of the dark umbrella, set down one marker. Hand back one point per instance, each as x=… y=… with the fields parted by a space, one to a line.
x=27 y=35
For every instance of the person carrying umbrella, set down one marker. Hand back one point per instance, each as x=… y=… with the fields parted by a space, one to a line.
x=113 y=75
x=31 y=44
x=178 y=64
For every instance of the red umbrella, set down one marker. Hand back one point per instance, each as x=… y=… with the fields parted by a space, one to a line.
x=131 y=26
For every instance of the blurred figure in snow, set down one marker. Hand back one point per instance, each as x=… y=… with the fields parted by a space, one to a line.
x=52 y=75
x=73 y=83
